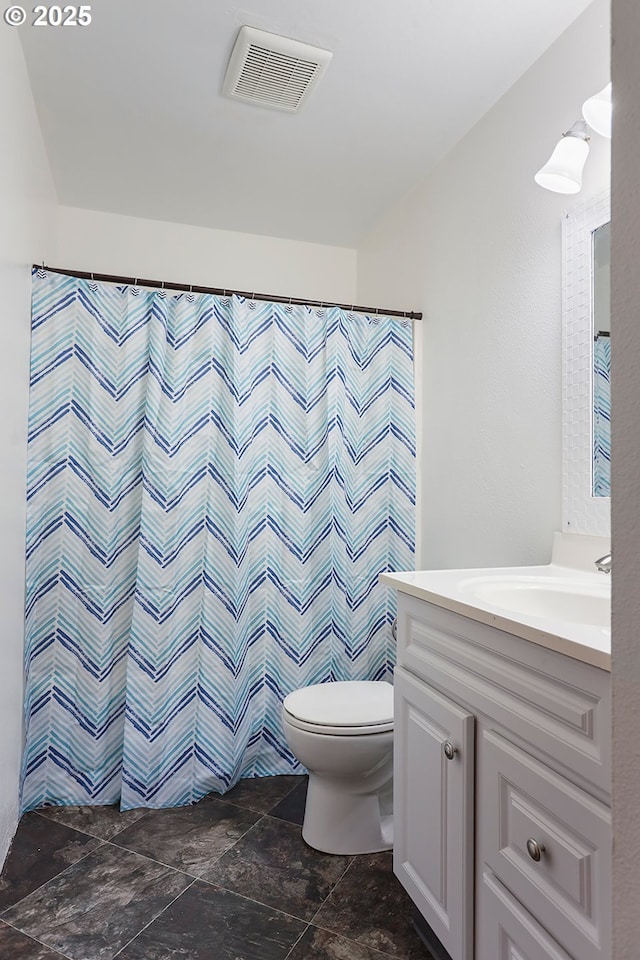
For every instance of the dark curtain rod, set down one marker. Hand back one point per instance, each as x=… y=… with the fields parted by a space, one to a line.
x=224 y=292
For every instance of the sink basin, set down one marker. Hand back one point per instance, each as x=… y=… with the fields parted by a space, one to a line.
x=564 y=605
x=583 y=601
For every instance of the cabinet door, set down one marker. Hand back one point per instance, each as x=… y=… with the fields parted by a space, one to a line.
x=433 y=809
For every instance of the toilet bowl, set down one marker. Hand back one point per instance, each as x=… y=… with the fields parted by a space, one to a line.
x=342 y=732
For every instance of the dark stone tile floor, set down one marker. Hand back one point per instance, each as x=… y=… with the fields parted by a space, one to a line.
x=229 y=878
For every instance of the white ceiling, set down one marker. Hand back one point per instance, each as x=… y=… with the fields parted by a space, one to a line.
x=134 y=120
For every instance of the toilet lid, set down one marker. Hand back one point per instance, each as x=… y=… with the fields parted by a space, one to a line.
x=349 y=703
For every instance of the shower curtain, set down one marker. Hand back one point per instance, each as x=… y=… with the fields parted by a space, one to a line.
x=602 y=416
x=214 y=485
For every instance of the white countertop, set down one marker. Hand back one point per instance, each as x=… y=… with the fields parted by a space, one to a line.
x=455 y=590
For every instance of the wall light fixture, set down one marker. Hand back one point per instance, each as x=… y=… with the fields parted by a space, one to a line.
x=562 y=172
x=598 y=112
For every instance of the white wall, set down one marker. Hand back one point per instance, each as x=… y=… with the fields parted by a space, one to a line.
x=625 y=381
x=477 y=247
x=156 y=250
x=27 y=202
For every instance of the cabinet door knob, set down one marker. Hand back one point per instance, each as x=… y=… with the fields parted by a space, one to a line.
x=535 y=849
x=449 y=750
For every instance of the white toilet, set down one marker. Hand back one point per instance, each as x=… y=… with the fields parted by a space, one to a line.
x=343 y=734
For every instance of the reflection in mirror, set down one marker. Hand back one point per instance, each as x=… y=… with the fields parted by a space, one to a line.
x=585 y=283
x=601 y=400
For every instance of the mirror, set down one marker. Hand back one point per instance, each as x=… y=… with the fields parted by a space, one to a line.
x=585 y=368
x=601 y=382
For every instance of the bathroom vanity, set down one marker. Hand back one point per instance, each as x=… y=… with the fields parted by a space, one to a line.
x=502 y=832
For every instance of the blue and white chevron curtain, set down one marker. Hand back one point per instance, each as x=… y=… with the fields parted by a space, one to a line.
x=214 y=486
x=602 y=416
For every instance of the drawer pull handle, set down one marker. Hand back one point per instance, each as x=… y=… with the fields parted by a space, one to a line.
x=394 y=630
x=449 y=750
x=535 y=849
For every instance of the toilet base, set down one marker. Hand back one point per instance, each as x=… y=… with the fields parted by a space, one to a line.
x=342 y=822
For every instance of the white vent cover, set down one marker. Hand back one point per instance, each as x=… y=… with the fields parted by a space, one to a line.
x=273 y=71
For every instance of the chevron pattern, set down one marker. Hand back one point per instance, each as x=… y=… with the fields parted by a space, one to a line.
x=602 y=416
x=214 y=485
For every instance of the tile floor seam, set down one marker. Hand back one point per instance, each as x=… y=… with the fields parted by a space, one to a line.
x=365 y=946
x=145 y=856
x=261 y=816
x=260 y=903
x=216 y=797
x=118 y=832
x=129 y=825
x=314 y=933
x=293 y=946
x=29 y=936
x=54 y=877
x=294 y=787
x=220 y=798
x=341 y=877
x=88 y=833
x=184 y=870
x=158 y=915
x=220 y=883
x=85 y=833
x=234 y=803
x=297 y=826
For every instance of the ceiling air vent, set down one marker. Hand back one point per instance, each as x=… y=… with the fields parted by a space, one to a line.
x=273 y=71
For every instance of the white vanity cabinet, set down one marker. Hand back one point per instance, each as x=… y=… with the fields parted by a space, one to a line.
x=501 y=790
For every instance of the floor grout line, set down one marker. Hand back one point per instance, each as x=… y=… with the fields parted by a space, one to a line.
x=258 y=903
x=124 y=947
x=88 y=833
x=221 y=797
x=215 y=797
x=55 y=877
x=43 y=816
x=161 y=863
x=184 y=870
x=343 y=936
x=29 y=936
x=294 y=945
x=103 y=843
x=299 y=776
x=340 y=878
x=192 y=878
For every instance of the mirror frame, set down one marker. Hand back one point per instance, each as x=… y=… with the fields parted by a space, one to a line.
x=581 y=511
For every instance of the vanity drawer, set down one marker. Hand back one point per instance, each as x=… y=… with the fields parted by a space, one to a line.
x=565 y=880
x=508 y=932
x=542 y=697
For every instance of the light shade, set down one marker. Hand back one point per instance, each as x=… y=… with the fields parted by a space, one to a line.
x=562 y=172
x=597 y=111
